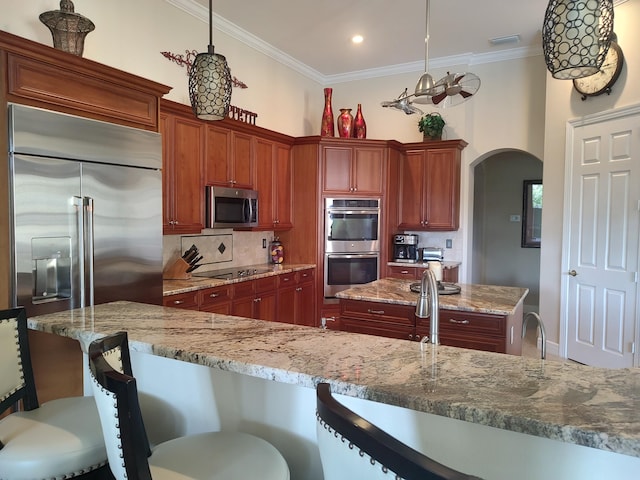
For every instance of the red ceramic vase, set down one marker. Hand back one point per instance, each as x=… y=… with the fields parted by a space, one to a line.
x=345 y=123
x=359 y=125
x=326 y=128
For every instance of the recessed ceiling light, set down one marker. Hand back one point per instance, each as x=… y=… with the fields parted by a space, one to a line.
x=357 y=39
x=504 y=40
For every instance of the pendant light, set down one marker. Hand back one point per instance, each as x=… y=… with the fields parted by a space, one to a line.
x=425 y=87
x=576 y=35
x=210 y=82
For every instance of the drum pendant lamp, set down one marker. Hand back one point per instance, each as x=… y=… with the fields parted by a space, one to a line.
x=576 y=35
x=210 y=82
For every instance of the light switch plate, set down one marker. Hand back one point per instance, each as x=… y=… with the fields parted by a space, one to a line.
x=514 y=218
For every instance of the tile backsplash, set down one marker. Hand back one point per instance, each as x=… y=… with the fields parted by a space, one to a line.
x=221 y=248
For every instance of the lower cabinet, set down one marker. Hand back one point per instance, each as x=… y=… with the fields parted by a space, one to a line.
x=288 y=297
x=478 y=331
x=449 y=274
x=382 y=319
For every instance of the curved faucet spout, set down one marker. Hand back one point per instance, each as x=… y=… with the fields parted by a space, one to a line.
x=428 y=305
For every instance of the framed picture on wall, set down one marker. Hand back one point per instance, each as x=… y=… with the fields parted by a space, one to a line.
x=531 y=213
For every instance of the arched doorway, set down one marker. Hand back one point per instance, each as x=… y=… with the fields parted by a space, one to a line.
x=498 y=255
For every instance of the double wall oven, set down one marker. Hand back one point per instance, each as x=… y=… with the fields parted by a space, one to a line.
x=351 y=243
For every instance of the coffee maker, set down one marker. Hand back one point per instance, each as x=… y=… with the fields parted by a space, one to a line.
x=405 y=248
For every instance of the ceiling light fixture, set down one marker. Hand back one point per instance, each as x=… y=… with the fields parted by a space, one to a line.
x=210 y=82
x=357 y=39
x=576 y=35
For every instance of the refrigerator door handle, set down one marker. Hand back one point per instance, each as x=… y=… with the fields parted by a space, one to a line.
x=78 y=294
x=88 y=251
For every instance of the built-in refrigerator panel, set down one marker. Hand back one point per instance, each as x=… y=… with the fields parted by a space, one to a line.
x=83 y=231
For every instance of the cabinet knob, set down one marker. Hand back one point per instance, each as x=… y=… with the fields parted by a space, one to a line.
x=299 y=289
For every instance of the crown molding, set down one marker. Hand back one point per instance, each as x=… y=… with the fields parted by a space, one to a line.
x=232 y=30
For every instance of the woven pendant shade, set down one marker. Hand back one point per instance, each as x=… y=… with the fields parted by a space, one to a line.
x=210 y=86
x=576 y=35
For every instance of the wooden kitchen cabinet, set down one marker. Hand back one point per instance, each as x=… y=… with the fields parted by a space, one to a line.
x=273 y=183
x=256 y=299
x=188 y=300
x=229 y=157
x=430 y=186
x=382 y=319
x=182 y=157
x=353 y=170
x=296 y=298
x=216 y=299
x=409 y=272
x=478 y=331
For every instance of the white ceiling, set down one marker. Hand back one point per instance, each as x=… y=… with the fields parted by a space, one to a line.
x=315 y=34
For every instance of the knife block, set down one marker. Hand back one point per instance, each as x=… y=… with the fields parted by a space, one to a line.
x=177 y=271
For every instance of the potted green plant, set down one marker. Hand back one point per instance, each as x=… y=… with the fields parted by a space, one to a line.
x=431 y=126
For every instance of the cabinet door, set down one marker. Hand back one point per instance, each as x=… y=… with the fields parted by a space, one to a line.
x=216 y=299
x=266 y=304
x=242 y=160
x=218 y=164
x=183 y=155
x=305 y=304
x=265 y=183
x=286 y=304
x=283 y=179
x=337 y=169
x=411 y=208
x=368 y=172
x=442 y=193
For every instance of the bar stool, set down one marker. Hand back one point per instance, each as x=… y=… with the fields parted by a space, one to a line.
x=205 y=456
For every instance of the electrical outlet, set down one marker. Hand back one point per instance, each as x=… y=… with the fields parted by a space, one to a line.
x=449 y=243
x=264 y=243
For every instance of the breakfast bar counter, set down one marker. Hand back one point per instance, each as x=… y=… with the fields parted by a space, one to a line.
x=568 y=403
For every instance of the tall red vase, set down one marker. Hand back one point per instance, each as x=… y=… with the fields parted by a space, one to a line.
x=345 y=123
x=326 y=129
x=359 y=125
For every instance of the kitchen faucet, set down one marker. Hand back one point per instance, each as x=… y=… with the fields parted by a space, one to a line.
x=429 y=305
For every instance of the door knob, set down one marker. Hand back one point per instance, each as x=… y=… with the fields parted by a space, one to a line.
x=573 y=273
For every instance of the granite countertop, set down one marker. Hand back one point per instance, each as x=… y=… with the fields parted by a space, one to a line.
x=573 y=403
x=472 y=298
x=172 y=287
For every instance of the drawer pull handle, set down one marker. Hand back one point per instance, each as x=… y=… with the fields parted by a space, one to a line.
x=299 y=289
x=214 y=295
x=178 y=302
x=286 y=279
x=460 y=322
x=376 y=312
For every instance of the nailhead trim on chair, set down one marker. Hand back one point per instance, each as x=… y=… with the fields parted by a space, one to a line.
x=361 y=452
x=15 y=334
x=115 y=404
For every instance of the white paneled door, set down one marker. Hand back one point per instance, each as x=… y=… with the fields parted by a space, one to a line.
x=601 y=240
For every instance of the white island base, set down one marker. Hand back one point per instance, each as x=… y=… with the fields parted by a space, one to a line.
x=185 y=398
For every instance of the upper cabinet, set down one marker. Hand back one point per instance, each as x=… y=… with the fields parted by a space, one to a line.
x=430 y=186
x=183 y=148
x=230 y=157
x=273 y=183
x=353 y=169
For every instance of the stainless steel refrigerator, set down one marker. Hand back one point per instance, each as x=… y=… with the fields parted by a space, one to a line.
x=86 y=211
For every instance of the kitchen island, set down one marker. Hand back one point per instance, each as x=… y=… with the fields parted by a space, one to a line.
x=497 y=416
x=484 y=317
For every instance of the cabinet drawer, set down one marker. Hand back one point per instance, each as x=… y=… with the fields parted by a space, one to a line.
x=379 y=312
x=402 y=272
x=305 y=275
x=267 y=283
x=286 y=279
x=380 y=329
x=244 y=289
x=182 y=300
x=214 y=295
x=458 y=322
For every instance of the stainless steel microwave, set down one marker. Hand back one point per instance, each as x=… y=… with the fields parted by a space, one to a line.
x=230 y=207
